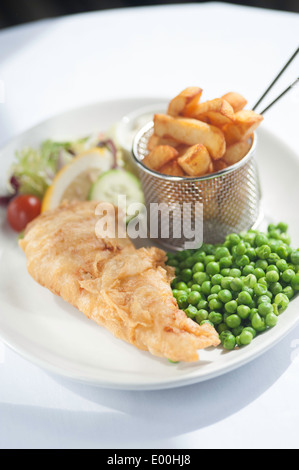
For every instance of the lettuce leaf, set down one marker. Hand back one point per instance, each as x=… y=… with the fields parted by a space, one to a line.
x=35 y=170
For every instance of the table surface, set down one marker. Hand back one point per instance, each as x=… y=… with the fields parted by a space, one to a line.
x=53 y=65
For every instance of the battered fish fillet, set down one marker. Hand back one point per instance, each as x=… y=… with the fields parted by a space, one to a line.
x=121 y=288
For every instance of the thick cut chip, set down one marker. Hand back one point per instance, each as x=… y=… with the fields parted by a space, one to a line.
x=187 y=98
x=159 y=156
x=191 y=132
x=236 y=100
x=245 y=124
x=234 y=153
x=219 y=165
x=217 y=112
x=154 y=141
x=196 y=161
x=172 y=168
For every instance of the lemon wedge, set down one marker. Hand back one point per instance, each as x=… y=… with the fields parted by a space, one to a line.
x=74 y=180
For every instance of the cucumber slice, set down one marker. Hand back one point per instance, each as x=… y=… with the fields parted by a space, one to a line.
x=117 y=182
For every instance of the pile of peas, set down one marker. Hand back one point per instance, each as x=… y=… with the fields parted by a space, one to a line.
x=240 y=286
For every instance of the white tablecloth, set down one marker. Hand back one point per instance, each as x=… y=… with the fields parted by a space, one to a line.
x=53 y=65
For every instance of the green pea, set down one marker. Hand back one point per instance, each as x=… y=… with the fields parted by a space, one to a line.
x=235 y=272
x=186 y=274
x=282 y=265
x=231 y=307
x=237 y=331
x=282 y=252
x=249 y=237
x=261 y=264
x=181 y=286
x=206 y=287
x=224 y=334
x=272 y=276
x=288 y=275
x=189 y=262
x=226 y=281
x=244 y=298
x=251 y=330
x=293 y=267
x=295 y=257
x=258 y=323
x=213 y=268
x=198 y=257
x=233 y=321
x=250 y=281
x=289 y=292
x=181 y=255
x=285 y=238
x=225 y=272
x=225 y=262
x=200 y=277
x=269 y=294
x=283 y=227
x=263 y=299
x=208 y=322
x=275 y=234
x=173 y=262
x=198 y=268
x=261 y=239
x=222 y=252
x=260 y=289
x=271 y=227
x=276 y=288
x=175 y=281
x=215 y=304
x=240 y=249
x=251 y=253
x=243 y=311
x=242 y=261
x=221 y=328
x=259 y=273
x=202 y=304
x=209 y=259
x=196 y=287
x=248 y=270
x=273 y=258
x=236 y=284
x=272 y=267
x=225 y=296
x=212 y=296
x=245 y=338
x=201 y=315
x=191 y=311
x=182 y=300
x=282 y=302
x=263 y=252
x=229 y=342
x=216 y=279
x=271 y=320
x=194 y=297
x=263 y=281
x=233 y=239
x=265 y=308
x=215 y=317
x=215 y=289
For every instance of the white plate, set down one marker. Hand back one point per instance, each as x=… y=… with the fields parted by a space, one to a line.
x=52 y=334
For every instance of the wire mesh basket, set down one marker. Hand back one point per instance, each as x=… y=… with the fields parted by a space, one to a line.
x=230 y=199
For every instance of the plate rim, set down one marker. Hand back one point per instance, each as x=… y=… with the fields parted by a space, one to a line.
x=168 y=382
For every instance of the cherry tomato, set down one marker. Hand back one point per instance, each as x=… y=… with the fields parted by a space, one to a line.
x=22 y=210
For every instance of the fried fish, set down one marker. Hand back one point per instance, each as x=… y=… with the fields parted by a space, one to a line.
x=121 y=288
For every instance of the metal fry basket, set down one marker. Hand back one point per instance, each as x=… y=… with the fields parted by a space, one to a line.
x=230 y=199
